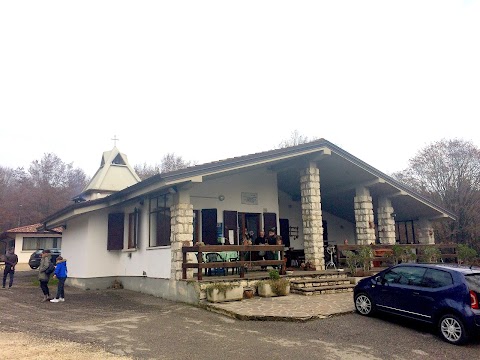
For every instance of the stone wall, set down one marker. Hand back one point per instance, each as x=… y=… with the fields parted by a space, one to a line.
x=312 y=216
x=181 y=234
x=424 y=232
x=364 y=219
x=386 y=223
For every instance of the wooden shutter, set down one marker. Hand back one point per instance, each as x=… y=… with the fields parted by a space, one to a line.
x=163 y=227
x=285 y=231
x=115 y=231
x=269 y=221
x=209 y=226
x=230 y=223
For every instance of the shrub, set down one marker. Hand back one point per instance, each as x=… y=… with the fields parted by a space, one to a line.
x=431 y=254
x=365 y=256
x=273 y=274
x=352 y=261
x=222 y=288
x=466 y=254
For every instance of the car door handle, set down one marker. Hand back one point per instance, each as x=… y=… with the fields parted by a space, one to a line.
x=415 y=293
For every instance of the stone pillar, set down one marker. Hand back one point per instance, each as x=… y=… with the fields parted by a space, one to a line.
x=312 y=216
x=181 y=233
x=424 y=232
x=386 y=222
x=364 y=220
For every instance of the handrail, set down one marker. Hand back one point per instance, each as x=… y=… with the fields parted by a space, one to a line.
x=200 y=249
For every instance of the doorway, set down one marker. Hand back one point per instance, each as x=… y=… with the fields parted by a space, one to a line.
x=249 y=221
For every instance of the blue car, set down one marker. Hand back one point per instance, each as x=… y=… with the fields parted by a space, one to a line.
x=443 y=295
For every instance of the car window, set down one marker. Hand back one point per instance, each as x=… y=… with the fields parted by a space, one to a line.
x=391 y=276
x=405 y=275
x=437 y=278
x=473 y=282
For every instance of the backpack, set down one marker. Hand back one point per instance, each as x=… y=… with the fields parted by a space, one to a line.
x=50 y=269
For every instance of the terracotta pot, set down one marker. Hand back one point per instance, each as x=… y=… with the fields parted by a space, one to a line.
x=248 y=293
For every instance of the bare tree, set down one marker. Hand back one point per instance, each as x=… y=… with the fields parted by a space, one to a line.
x=170 y=162
x=29 y=196
x=295 y=139
x=448 y=172
x=145 y=171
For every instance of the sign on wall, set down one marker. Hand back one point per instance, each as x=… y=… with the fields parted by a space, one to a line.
x=249 y=198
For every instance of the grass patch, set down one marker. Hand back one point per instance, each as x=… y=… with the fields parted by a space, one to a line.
x=52 y=282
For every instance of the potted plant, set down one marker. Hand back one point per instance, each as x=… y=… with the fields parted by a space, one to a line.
x=352 y=262
x=275 y=286
x=248 y=293
x=220 y=292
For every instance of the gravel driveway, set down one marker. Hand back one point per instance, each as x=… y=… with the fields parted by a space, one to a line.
x=97 y=324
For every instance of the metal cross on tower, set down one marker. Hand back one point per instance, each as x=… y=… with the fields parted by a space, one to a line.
x=115 y=139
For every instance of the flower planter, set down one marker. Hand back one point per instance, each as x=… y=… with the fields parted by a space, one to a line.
x=221 y=293
x=248 y=293
x=265 y=289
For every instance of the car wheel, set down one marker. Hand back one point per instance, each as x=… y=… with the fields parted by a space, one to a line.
x=364 y=304
x=452 y=330
x=33 y=267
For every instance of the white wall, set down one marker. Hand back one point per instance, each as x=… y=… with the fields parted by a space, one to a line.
x=84 y=245
x=338 y=229
x=292 y=210
x=24 y=255
x=261 y=181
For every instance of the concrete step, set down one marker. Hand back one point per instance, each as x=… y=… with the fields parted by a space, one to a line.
x=308 y=283
x=317 y=277
x=332 y=289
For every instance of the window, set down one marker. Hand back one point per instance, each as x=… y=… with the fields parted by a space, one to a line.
x=405 y=275
x=473 y=282
x=133 y=220
x=34 y=243
x=437 y=278
x=160 y=227
x=115 y=231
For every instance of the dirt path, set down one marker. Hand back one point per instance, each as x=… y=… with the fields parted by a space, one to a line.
x=16 y=346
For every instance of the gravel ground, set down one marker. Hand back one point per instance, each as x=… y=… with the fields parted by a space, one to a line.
x=16 y=345
x=124 y=324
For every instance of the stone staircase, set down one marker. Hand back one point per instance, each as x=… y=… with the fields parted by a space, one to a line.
x=322 y=284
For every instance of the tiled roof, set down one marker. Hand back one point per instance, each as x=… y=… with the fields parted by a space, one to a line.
x=32 y=229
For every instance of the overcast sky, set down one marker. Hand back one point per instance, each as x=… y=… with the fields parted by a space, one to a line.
x=208 y=80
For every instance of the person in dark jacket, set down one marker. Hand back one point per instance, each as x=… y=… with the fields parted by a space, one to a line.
x=61 y=274
x=260 y=240
x=11 y=259
x=43 y=277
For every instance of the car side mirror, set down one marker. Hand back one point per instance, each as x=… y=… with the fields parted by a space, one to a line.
x=379 y=280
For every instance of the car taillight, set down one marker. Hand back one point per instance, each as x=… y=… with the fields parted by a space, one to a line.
x=473 y=299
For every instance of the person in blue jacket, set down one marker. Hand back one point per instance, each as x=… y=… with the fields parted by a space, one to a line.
x=61 y=274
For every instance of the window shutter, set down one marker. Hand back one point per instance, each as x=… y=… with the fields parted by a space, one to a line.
x=209 y=226
x=270 y=221
x=115 y=231
x=230 y=223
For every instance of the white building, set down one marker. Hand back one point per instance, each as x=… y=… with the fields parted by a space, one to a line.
x=26 y=239
x=314 y=193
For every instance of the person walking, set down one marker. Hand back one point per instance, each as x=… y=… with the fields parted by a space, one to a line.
x=43 y=275
x=61 y=274
x=11 y=260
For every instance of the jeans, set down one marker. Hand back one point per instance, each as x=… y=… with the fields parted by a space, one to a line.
x=8 y=270
x=60 y=288
x=44 y=287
